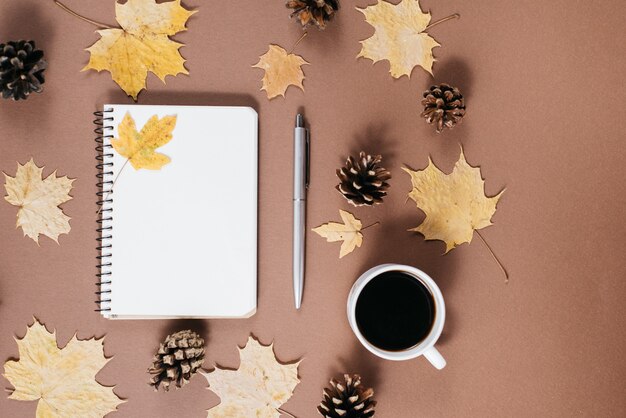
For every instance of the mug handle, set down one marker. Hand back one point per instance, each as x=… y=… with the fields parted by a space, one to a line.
x=435 y=358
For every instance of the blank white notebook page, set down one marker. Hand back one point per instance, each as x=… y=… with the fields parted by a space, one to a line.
x=184 y=238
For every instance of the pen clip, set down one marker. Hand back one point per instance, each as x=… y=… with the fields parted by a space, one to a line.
x=308 y=160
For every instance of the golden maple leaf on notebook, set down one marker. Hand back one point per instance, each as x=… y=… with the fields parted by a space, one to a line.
x=140 y=147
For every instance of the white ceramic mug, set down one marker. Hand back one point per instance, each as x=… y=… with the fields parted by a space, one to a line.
x=426 y=347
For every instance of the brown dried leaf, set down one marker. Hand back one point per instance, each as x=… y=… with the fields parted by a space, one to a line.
x=62 y=381
x=257 y=389
x=349 y=232
x=455 y=204
x=281 y=71
x=39 y=201
x=399 y=37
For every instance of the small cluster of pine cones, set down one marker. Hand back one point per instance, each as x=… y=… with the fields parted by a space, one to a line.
x=363 y=180
x=181 y=355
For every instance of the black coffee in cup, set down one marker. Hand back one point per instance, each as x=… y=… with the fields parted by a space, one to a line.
x=395 y=311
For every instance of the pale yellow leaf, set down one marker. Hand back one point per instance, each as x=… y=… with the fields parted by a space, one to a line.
x=139 y=147
x=281 y=71
x=257 y=389
x=142 y=45
x=61 y=380
x=349 y=232
x=455 y=204
x=399 y=37
x=38 y=201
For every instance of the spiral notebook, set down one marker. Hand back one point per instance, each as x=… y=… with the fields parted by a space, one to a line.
x=177 y=232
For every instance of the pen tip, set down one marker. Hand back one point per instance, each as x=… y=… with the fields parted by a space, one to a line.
x=299 y=121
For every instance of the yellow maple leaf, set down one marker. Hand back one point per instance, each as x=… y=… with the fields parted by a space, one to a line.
x=399 y=37
x=349 y=232
x=455 y=204
x=61 y=380
x=139 y=147
x=38 y=201
x=257 y=389
x=281 y=71
x=142 y=45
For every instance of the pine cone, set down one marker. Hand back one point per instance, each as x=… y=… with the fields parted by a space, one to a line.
x=178 y=358
x=347 y=399
x=21 y=69
x=313 y=12
x=363 y=180
x=444 y=106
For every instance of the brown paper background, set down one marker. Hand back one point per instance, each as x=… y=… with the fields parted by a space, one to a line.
x=544 y=83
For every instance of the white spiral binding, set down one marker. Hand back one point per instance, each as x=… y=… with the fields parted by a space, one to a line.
x=104 y=165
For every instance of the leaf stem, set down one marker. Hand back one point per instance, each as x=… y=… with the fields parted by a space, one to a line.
x=506 y=274
x=445 y=19
x=282 y=411
x=106 y=196
x=375 y=223
x=73 y=13
x=119 y=172
x=298 y=41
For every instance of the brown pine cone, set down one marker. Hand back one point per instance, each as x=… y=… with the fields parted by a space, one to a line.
x=21 y=69
x=363 y=180
x=179 y=357
x=444 y=106
x=347 y=399
x=313 y=12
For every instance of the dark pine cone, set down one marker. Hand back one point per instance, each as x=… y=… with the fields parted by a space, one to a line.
x=21 y=69
x=347 y=399
x=363 y=180
x=444 y=106
x=313 y=12
x=178 y=358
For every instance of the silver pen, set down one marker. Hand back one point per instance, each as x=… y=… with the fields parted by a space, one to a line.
x=300 y=184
